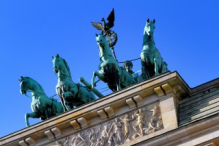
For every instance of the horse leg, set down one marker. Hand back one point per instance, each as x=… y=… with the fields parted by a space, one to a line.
x=117 y=75
x=59 y=92
x=48 y=113
x=144 y=60
x=118 y=86
x=99 y=75
x=69 y=105
x=30 y=115
x=145 y=74
x=66 y=105
x=118 y=83
x=63 y=105
x=157 y=63
x=156 y=66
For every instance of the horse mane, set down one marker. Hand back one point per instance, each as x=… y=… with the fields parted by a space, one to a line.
x=36 y=83
x=67 y=67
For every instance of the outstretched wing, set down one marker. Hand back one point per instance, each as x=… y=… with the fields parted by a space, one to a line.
x=98 y=25
x=111 y=18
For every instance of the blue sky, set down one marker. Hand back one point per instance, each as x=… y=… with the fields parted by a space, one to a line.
x=31 y=32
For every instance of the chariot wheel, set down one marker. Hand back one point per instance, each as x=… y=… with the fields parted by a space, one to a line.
x=111 y=38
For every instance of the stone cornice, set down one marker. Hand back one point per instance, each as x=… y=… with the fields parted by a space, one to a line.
x=102 y=109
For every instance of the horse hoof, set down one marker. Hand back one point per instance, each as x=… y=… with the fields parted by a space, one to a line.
x=156 y=74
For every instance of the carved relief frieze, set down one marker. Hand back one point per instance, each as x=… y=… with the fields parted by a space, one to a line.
x=119 y=130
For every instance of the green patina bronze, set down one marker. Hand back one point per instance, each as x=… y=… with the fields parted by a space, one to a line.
x=128 y=66
x=95 y=91
x=117 y=77
x=109 y=70
x=42 y=106
x=71 y=94
x=151 y=60
x=105 y=28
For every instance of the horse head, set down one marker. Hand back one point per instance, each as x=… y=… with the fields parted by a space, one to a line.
x=101 y=41
x=56 y=63
x=24 y=84
x=60 y=65
x=29 y=84
x=149 y=28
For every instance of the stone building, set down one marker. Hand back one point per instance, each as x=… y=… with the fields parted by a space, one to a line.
x=162 y=110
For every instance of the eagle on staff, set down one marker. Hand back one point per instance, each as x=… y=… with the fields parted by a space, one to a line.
x=105 y=27
x=105 y=30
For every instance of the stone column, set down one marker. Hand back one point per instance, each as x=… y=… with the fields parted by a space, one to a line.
x=168 y=111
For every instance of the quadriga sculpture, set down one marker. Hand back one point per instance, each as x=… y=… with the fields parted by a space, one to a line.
x=71 y=94
x=151 y=60
x=109 y=70
x=42 y=106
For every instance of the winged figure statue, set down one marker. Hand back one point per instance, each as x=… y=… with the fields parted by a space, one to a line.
x=105 y=27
